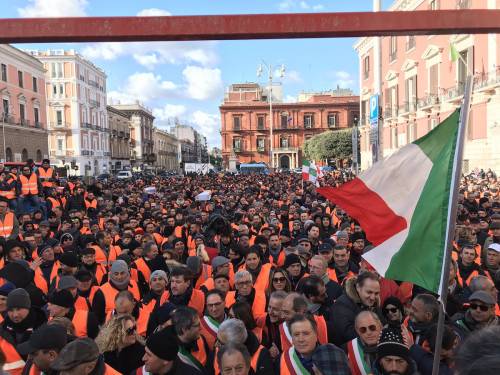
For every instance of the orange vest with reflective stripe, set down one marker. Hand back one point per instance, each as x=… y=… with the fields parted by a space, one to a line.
x=14 y=364
x=8 y=194
x=45 y=175
x=80 y=322
x=143 y=268
x=110 y=293
x=29 y=186
x=91 y=204
x=259 y=303
x=85 y=304
x=7 y=225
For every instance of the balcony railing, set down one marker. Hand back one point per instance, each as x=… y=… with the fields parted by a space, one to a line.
x=428 y=101
x=87 y=125
x=93 y=103
x=286 y=149
x=61 y=125
x=453 y=92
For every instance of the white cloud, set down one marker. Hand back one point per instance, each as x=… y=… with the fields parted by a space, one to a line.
x=203 y=83
x=152 y=54
x=290 y=99
x=299 y=6
x=143 y=87
x=151 y=12
x=344 y=79
x=169 y=111
x=208 y=125
x=53 y=8
x=292 y=76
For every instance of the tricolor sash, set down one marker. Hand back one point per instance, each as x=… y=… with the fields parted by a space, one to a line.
x=293 y=363
x=210 y=324
x=356 y=356
x=186 y=357
x=286 y=332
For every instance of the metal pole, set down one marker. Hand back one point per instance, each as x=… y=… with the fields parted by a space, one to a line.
x=3 y=136
x=452 y=218
x=271 y=125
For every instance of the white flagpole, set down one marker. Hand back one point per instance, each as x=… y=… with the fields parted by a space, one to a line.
x=452 y=218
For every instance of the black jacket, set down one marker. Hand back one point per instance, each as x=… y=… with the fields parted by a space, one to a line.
x=126 y=361
x=264 y=362
x=21 y=332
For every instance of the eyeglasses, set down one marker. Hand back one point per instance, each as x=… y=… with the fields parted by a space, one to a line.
x=393 y=310
x=216 y=304
x=475 y=306
x=131 y=331
x=371 y=328
x=279 y=279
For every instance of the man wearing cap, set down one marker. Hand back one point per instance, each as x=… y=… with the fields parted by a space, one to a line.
x=358 y=241
x=43 y=348
x=21 y=318
x=393 y=355
x=480 y=314
x=145 y=264
x=294 y=268
x=342 y=268
x=119 y=279
x=90 y=297
x=47 y=175
x=81 y=356
x=494 y=235
x=62 y=304
x=68 y=265
x=220 y=266
x=491 y=264
x=14 y=250
x=304 y=247
x=157 y=294
x=46 y=267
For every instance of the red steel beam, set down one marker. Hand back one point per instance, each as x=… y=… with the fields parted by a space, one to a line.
x=257 y=26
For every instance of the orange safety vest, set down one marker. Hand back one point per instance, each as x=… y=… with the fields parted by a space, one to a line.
x=197 y=301
x=7 y=225
x=41 y=282
x=56 y=202
x=209 y=329
x=110 y=293
x=467 y=282
x=143 y=268
x=85 y=304
x=255 y=358
x=91 y=204
x=8 y=194
x=14 y=364
x=158 y=238
x=29 y=186
x=45 y=176
x=108 y=370
x=332 y=275
x=288 y=364
x=205 y=275
x=150 y=306
x=80 y=322
x=286 y=335
x=141 y=321
x=259 y=303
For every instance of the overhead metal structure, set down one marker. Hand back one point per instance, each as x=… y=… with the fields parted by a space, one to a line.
x=251 y=26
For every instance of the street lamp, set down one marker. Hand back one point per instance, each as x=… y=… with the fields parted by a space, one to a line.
x=270 y=72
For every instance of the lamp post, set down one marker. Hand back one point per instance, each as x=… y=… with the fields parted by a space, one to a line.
x=269 y=69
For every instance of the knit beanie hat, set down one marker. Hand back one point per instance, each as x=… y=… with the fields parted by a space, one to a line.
x=69 y=259
x=291 y=259
x=391 y=343
x=163 y=345
x=6 y=288
x=119 y=266
x=62 y=298
x=18 y=298
x=159 y=273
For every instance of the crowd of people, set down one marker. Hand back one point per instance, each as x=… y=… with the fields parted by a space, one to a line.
x=141 y=277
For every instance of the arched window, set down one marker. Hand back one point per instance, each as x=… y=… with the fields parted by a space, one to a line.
x=24 y=155
x=8 y=154
x=38 y=155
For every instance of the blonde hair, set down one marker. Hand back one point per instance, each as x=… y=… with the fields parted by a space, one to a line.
x=64 y=322
x=112 y=334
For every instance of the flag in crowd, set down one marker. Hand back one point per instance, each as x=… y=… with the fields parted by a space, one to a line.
x=403 y=205
x=311 y=172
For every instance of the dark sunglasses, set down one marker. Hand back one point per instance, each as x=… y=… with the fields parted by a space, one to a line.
x=131 y=331
x=371 y=328
x=475 y=306
x=279 y=279
x=393 y=310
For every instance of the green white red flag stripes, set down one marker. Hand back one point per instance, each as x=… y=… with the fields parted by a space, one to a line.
x=402 y=203
x=310 y=171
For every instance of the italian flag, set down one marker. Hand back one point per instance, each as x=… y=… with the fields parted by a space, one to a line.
x=309 y=171
x=403 y=205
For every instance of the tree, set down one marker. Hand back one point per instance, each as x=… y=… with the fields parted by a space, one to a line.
x=329 y=145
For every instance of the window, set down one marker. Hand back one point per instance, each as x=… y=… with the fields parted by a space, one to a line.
x=332 y=120
x=54 y=90
x=366 y=67
x=35 y=84
x=260 y=123
x=61 y=89
x=36 y=116
x=5 y=107
x=284 y=142
x=60 y=145
x=434 y=5
x=411 y=94
x=57 y=70
x=236 y=122
x=410 y=42
x=237 y=144
x=393 y=48
x=308 y=121
x=22 y=114
x=284 y=121
x=59 y=118
x=433 y=80
x=4 y=72
x=20 y=78
x=261 y=145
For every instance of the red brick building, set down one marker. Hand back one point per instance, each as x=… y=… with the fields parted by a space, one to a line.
x=246 y=124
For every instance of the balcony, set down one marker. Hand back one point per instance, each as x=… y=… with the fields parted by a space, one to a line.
x=428 y=102
x=388 y=113
x=285 y=149
x=60 y=125
x=237 y=149
x=261 y=149
x=454 y=93
x=94 y=103
x=86 y=125
x=107 y=153
x=38 y=125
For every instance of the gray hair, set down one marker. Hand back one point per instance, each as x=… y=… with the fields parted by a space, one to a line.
x=278 y=294
x=479 y=282
x=242 y=274
x=233 y=330
x=364 y=314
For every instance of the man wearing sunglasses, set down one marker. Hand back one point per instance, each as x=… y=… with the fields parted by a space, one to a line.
x=362 y=351
x=481 y=313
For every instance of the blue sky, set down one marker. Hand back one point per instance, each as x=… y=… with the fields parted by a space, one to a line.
x=187 y=79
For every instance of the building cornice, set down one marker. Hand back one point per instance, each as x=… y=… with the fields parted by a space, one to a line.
x=24 y=57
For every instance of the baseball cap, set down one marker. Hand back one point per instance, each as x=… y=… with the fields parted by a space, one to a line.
x=495 y=247
x=325 y=248
x=46 y=337
x=483 y=297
